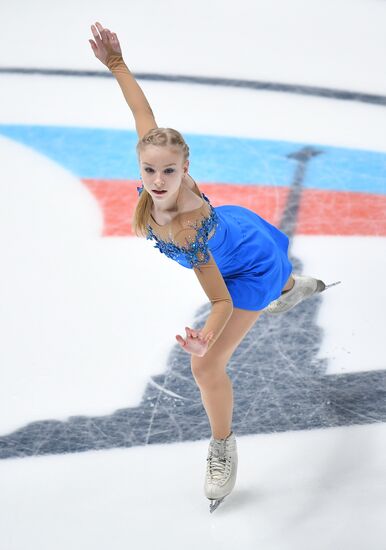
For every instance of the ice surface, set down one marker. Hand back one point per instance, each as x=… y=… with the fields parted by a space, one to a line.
x=103 y=433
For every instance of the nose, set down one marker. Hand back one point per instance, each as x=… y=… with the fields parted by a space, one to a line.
x=158 y=180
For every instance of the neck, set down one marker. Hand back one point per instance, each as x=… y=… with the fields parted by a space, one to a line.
x=170 y=206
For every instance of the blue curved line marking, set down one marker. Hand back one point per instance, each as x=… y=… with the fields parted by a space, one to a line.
x=110 y=154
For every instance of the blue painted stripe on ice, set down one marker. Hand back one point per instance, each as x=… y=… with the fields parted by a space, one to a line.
x=110 y=154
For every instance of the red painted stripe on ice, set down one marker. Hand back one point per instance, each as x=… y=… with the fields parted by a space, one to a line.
x=341 y=213
x=321 y=212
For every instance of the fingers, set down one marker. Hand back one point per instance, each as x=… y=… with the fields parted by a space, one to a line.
x=93 y=45
x=180 y=340
x=191 y=333
x=101 y=30
x=103 y=34
x=96 y=34
x=198 y=334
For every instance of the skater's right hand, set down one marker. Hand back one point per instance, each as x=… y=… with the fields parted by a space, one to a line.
x=195 y=343
x=106 y=43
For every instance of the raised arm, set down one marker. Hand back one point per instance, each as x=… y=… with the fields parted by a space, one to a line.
x=107 y=49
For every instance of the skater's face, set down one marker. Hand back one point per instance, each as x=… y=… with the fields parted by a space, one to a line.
x=162 y=169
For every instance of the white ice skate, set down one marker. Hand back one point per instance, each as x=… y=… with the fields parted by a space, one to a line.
x=303 y=288
x=221 y=469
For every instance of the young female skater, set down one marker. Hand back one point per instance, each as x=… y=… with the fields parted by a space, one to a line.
x=240 y=260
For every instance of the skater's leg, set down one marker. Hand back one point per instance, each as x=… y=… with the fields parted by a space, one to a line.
x=210 y=373
x=217 y=398
x=215 y=385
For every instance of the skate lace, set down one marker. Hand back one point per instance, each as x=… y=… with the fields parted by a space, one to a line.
x=218 y=467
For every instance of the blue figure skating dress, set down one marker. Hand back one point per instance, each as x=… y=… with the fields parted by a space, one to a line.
x=239 y=258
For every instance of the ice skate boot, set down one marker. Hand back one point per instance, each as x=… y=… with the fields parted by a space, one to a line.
x=303 y=288
x=221 y=469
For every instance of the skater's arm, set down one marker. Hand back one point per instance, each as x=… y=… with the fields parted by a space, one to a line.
x=191 y=234
x=135 y=98
x=199 y=341
x=215 y=288
x=107 y=49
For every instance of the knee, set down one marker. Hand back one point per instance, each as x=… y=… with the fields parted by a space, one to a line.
x=205 y=372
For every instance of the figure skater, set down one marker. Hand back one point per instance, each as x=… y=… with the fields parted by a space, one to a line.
x=240 y=260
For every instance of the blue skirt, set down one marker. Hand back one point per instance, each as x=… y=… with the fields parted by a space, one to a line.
x=252 y=256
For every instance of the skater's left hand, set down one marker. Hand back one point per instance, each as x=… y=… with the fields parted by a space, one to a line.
x=195 y=343
x=106 y=43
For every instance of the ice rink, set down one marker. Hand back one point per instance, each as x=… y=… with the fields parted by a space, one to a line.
x=103 y=436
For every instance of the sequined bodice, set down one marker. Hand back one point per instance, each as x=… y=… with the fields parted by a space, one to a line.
x=187 y=241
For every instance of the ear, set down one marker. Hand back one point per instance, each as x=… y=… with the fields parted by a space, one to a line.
x=186 y=166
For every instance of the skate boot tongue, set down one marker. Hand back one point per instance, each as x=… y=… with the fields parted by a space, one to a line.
x=218 y=445
x=218 y=448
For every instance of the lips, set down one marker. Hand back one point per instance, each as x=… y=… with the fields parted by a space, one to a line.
x=158 y=192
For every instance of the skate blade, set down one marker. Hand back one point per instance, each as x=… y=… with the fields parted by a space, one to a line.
x=214 y=504
x=321 y=286
x=332 y=284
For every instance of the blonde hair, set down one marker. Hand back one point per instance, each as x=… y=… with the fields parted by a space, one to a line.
x=161 y=137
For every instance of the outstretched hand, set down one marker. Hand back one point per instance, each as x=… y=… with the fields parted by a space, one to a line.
x=106 y=43
x=195 y=343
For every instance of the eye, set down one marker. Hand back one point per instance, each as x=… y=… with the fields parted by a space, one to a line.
x=148 y=168
x=169 y=170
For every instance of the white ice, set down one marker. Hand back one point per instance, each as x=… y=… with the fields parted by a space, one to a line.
x=67 y=311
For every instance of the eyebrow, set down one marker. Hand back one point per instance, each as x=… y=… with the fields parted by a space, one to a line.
x=171 y=164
